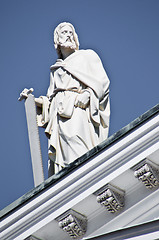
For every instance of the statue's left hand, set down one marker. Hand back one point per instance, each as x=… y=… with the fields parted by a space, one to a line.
x=82 y=99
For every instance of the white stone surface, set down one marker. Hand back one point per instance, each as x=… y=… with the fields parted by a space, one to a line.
x=76 y=191
x=76 y=108
x=34 y=140
x=33 y=133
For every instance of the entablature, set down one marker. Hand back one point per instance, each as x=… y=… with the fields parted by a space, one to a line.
x=109 y=170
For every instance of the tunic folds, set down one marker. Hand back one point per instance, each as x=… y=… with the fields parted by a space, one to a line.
x=71 y=130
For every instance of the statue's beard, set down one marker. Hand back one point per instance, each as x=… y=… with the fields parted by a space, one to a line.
x=69 y=43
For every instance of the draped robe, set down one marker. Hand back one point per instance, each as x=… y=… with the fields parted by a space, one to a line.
x=71 y=130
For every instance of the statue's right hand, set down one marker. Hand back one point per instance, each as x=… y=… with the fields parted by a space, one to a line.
x=24 y=93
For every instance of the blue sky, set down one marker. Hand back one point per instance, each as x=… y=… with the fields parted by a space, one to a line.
x=124 y=33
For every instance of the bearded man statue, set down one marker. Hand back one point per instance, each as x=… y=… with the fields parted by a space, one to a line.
x=76 y=109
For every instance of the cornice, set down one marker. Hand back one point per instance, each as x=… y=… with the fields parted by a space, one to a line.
x=83 y=180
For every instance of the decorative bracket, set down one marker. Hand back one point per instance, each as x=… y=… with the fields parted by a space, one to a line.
x=147 y=172
x=74 y=223
x=112 y=198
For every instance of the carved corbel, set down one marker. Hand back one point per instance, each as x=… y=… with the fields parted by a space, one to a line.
x=112 y=198
x=74 y=223
x=148 y=173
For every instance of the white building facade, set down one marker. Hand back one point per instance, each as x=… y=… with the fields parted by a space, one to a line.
x=111 y=192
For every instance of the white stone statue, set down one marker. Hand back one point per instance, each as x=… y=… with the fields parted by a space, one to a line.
x=76 y=110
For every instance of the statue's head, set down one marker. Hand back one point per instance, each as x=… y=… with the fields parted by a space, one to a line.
x=65 y=36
